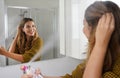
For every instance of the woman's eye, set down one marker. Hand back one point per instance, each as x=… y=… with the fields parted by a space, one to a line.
x=28 y=26
x=33 y=25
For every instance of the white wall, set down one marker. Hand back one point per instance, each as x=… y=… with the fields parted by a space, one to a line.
x=62 y=26
x=76 y=42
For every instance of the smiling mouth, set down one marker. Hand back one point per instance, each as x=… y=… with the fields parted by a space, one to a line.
x=31 y=33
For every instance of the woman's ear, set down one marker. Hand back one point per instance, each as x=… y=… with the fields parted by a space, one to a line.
x=89 y=28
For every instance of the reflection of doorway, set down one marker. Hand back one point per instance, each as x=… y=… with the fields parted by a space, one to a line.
x=46 y=22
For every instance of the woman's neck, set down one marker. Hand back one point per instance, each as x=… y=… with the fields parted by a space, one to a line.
x=28 y=38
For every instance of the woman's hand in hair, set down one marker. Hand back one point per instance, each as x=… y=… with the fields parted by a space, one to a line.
x=103 y=33
x=104 y=29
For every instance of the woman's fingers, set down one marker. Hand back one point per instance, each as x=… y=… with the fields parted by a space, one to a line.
x=2 y=50
x=105 y=28
x=106 y=22
x=112 y=23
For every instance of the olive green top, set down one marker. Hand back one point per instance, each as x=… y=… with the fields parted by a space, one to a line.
x=28 y=54
x=114 y=73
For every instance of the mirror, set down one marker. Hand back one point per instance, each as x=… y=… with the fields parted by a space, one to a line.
x=45 y=15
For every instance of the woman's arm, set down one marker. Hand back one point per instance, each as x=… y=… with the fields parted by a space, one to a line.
x=14 y=56
x=11 y=53
x=103 y=33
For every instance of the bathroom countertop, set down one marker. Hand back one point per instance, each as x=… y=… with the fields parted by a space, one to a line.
x=53 y=67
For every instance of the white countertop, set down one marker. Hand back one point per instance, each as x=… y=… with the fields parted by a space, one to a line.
x=53 y=67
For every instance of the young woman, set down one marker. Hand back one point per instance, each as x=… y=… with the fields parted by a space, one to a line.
x=26 y=43
x=102 y=28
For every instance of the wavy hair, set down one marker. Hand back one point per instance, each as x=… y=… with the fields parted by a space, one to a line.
x=22 y=43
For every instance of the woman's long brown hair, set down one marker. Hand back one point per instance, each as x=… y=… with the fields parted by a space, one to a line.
x=22 y=43
x=92 y=15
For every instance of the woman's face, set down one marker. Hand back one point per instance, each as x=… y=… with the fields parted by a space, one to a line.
x=86 y=29
x=29 y=28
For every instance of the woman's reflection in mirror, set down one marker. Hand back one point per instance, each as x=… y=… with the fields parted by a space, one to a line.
x=26 y=42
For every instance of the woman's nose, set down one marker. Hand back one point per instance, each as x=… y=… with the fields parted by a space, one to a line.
x=31 y=28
